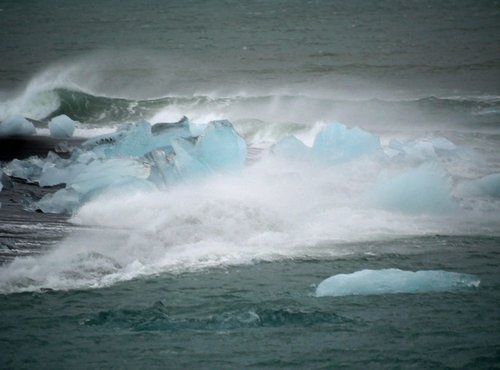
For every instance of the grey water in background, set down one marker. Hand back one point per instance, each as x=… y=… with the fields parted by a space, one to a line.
x=379 y=64
x=386 y=65
x=422 y=47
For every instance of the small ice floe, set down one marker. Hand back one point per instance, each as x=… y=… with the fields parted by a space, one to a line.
x=391 y=281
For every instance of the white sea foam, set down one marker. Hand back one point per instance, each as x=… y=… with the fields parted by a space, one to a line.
x=273 y=210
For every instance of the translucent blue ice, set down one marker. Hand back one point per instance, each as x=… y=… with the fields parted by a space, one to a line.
x=221 y=148
x=137 y=156
x=62 y=201
x=16 y=125
x=28 y=169
x=62 y=127
x=391 y=281
x=292 y=148
x=92 y=180
x=422 y=150
x=484 y=186
x=425 y=189
x=336 y=143
x=218 y=149
x=137 y=139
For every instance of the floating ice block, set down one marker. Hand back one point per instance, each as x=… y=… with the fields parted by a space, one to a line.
x=27 y=169
x=137 y=139
x=221 y=148
x=336 y=143
x=484 y=186
x=391 y=281
x=62 y=127
x=90 y=181
x=16 y=126
x=422 y=190
x=136 y=156
x=62 y=201
x=292 y=148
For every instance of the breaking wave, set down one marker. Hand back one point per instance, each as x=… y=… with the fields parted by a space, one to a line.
x=91 y=108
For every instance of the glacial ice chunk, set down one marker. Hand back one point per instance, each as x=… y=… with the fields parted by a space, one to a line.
x=336 y=143
x=422 y=190
x=97 y=177
x=1 y=179
x=16 y=125
x=391 y=281
x=136 y=156
x=427 y=149
x=218 y=149
x=62 y=127
x=292 y=148
x=137 y=139
x=484 y=186
x=104 y=173
x=62 y=201
x=27 y=169
x=221 y=148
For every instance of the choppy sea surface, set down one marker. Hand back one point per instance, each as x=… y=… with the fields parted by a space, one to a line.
x=223 y=271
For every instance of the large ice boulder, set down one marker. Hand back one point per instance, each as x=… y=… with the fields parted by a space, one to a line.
x=137 y=139
x=218 y=150
x=336 y=143
x=424 y=189
x=62 y=127
x=16 y=125
x=221 y=148
x=391 y=281
x=94 y=179
x=292 y=148
x=484 y=186
x=137 y=156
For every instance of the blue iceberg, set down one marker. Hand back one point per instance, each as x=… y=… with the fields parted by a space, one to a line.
x=220 y=148
x=137 y=156
x=28 y=169
x=292 y=148
x=137 y=139
x=488 y=186
x=425 y=189
x=16 y=126
x=392 y=281
x=62 y=127
x=336 y=143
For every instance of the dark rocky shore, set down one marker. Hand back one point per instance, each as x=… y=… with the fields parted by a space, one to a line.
x=25 y=232
x=22 y=147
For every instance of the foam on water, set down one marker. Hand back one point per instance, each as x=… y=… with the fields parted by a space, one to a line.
x=273 y=208
x=392 y=281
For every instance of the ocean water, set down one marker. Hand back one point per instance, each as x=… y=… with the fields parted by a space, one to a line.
x=222 y=271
